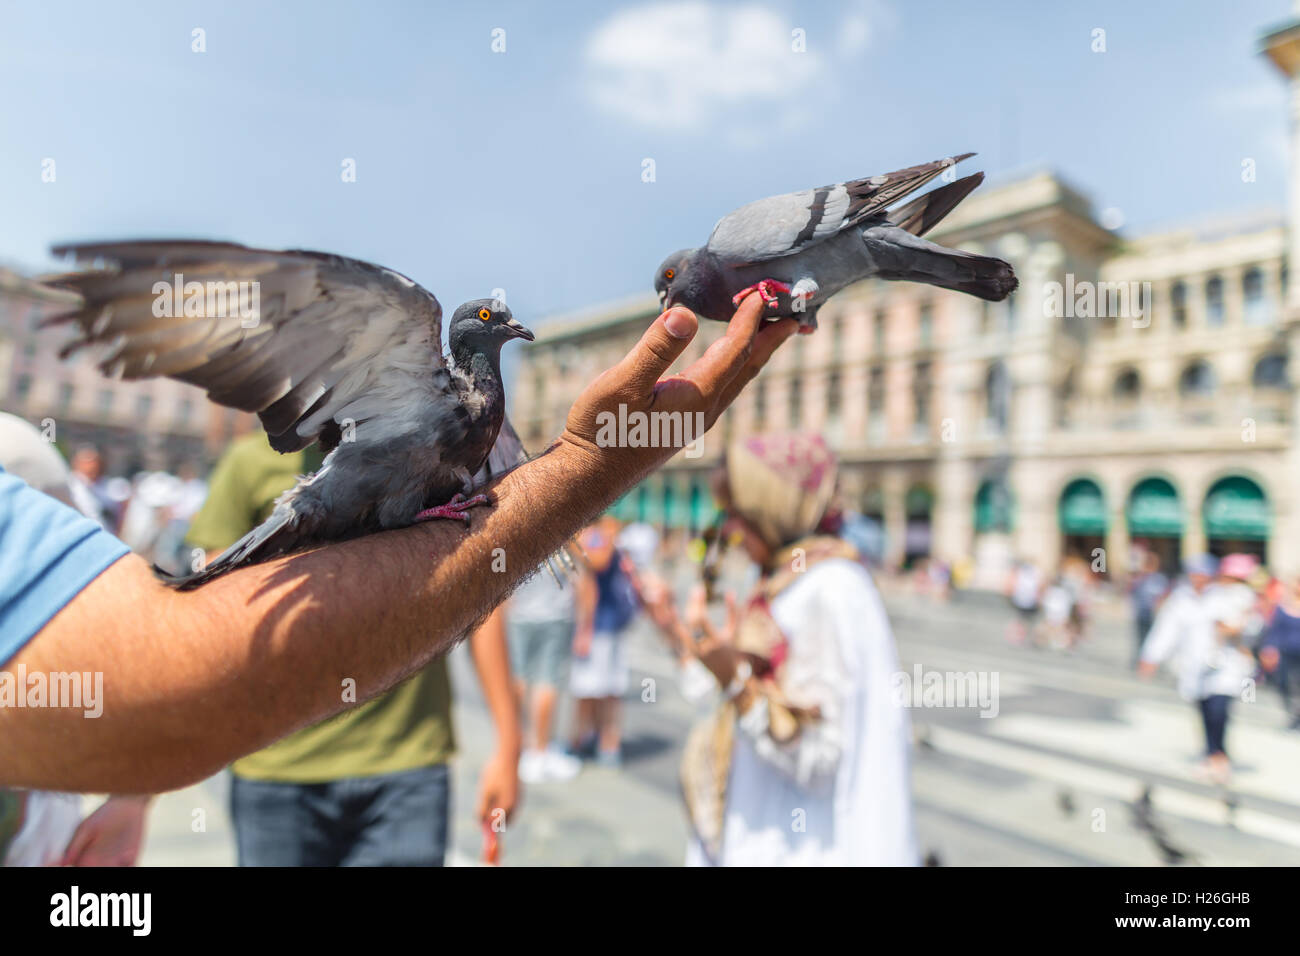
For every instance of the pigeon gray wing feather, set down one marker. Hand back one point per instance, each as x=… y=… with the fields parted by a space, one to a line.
x=781 y=225
x=334 y=339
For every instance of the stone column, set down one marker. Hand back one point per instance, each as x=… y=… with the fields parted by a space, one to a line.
x=1117 y=539
x=893 y=485
x=1036 y=534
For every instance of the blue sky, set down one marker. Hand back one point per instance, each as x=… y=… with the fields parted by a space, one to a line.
x=522 y=170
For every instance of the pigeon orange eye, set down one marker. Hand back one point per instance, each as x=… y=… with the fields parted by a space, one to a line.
x=668 y=273
x=485 y=314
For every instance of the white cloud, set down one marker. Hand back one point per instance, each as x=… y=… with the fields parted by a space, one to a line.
x=685 y=66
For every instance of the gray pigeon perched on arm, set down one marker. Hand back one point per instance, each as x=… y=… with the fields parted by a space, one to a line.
x=335 y=351
x=799 y=249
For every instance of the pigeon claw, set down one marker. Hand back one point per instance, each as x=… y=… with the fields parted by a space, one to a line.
x=767 y=288
x=458 y=507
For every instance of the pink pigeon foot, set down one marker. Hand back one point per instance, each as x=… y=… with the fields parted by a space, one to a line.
x=764 y=287
x=456 y=508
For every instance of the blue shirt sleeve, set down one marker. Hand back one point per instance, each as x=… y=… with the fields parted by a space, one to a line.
x=48 y=553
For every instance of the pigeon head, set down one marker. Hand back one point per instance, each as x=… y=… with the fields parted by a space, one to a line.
x=483 y=325
x=673 y=278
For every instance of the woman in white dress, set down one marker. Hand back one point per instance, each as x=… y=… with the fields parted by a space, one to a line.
x=804 y=758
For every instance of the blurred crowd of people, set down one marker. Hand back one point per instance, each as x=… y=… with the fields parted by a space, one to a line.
x=1225 y=627
x=150 y=511
x=1050 y=611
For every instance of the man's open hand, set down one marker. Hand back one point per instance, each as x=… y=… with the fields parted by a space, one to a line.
x=707 y=387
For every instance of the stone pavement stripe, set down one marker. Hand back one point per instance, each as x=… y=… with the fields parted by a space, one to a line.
x=1110 y=783
x=1038 y=666
x=999 y=845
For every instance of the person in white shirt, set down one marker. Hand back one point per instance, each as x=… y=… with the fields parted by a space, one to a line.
x=541 y=617
x=1197 y=630
x=805 y=757
x=44 y=827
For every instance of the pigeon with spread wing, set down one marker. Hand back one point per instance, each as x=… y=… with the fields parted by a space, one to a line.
x=799 y=249
x=324 y=349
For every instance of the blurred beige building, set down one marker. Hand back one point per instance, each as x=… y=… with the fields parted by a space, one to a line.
x=1035 y=428
x=153 y=423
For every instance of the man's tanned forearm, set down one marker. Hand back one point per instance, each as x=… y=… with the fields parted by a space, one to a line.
x=262 y=651
x=195 y=679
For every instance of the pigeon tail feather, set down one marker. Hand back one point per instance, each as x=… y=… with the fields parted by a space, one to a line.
x=900 y=255
x=273 y=537
x=925 y=212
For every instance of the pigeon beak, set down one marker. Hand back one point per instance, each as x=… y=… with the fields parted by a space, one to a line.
x=663 y=300
x=519 y=332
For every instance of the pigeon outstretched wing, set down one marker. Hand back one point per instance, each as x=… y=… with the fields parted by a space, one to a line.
x=780 y=225
x=507 y=454
x=307 y=340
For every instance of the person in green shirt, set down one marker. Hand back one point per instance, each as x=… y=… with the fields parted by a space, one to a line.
x=369 y=786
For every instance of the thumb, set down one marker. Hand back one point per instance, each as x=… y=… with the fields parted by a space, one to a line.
x=659 y=347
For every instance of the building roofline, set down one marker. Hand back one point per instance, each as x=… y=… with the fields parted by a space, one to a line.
x=1017 y=193
x=1214 y=227
x=569 y=325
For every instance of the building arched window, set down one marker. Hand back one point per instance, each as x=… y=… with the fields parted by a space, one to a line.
x=1196 y=387
x=997 y=388
x=1214 y=301
x=1254 y=303
x=1064 y=399
x=834 y=396
x=921 y=389
x=1197 y=380
x=1178 y=304
x=875 y=403
x=1128 y=386
x=1272 y=388
x=1270 y=371
x=1127 y=393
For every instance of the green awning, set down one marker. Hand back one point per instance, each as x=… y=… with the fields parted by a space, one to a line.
x=1154 y=511
x=993 y=507
x=650 y=508
x=702 y=508
x=1083 y=509
x=677 y=507
x=1236 y=508
x=625 y=508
